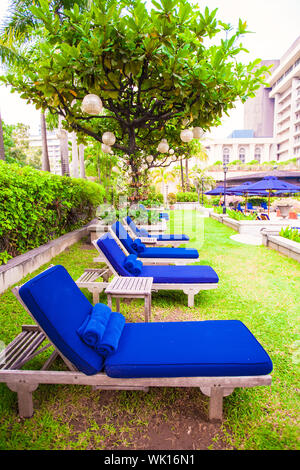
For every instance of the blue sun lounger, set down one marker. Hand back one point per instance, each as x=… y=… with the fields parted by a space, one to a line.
x=142 y=233
x=155 y=254
x=189 y=279
x=101 y=350
x=162 y=215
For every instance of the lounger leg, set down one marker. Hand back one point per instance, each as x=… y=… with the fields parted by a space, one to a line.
x=216 y=394
x=191 y=292
x=25 y=401
x=190 y=300
x=216 y=404
x=95 y=294
x=109 y=301
x=147 y=308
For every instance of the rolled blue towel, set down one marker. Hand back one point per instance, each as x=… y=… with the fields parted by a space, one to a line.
x=112 y=334
x=133 y=265
x=138 y=246
x=130 y=262
x=137 y=268
x=94 y=326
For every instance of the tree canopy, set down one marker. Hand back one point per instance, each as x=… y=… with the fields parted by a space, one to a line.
x=156 y=69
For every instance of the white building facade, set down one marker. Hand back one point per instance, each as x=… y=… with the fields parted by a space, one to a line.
x=285 y=83
x=35 y=141
x=241 y=149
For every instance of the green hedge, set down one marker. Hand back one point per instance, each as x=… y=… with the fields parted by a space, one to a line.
x=36 y=207
x=187 y=197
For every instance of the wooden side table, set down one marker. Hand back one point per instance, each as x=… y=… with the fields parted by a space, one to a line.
x=133 y=288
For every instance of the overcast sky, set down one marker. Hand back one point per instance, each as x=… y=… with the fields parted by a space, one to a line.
x=275 y=25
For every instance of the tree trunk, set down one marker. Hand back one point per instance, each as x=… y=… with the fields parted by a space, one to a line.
x=45 y=155
x=2 y=152
x=81 y=161
x=74 y=156
x=64 y=149
x=182 y=176
x=187 y=174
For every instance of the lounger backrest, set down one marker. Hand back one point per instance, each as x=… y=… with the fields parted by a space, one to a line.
x=132 y=225
x=60 y=308
x=123 y=236
x=113 y=253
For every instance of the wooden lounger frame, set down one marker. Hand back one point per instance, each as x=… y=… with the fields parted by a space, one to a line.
x=189 y=289
x=24 y=382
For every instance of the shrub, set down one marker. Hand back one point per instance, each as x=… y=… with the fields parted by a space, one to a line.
x=171 y=198
x=290 y=233
x=237 y=215
x=187 y=197
x=36 y=207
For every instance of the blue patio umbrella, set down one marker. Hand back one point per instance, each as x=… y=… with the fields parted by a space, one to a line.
x=268 y=185
x=216 y=191
x=242 y=190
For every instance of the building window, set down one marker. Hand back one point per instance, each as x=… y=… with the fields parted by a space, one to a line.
x=226 y=155
x=257 y=154
x=242 y=155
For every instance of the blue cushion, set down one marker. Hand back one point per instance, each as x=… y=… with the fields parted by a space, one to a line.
x=60 y=308
x=143 y=233
x=161 y=274
x=152 y=252
x=188 y=349
x=124 y=237
x=165 y=252
x=113 y=253
x=181 y=274
x=164 y=215
x=170 y=237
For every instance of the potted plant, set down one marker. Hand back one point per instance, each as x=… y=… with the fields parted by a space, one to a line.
x=284 y=205
x=171 y=200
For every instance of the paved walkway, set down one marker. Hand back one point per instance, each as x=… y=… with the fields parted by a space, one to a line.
x=247 y=239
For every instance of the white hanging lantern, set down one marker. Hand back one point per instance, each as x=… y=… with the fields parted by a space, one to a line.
x=186 y=135
x=171 y=151
x=109 y=138
x=163 y=147
x=106 y=148
x=91 y=104
x=197 y=132
x=185 y=122
x=149 y=159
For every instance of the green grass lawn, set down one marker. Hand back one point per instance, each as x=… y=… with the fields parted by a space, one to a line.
x=257 y=286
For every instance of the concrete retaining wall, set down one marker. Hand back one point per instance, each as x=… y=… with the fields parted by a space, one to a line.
x=283 y=245
x=18 y=267
x=251 y=227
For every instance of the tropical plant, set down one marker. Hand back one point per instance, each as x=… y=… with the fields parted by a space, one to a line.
x=163 y=177
x=149 y=65
x=237 y=215
x=290 y=233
